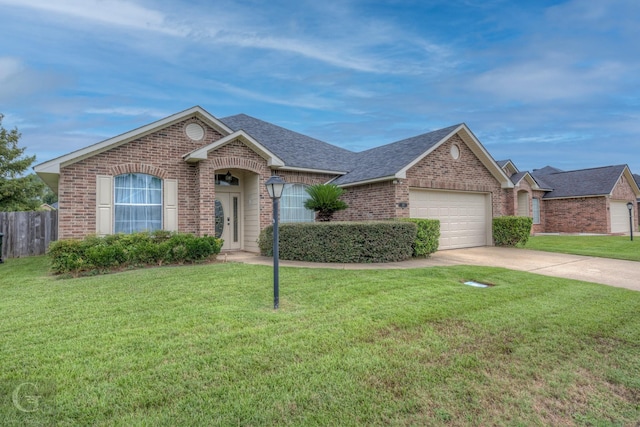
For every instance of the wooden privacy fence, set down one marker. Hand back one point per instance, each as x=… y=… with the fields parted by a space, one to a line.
x=27 y=233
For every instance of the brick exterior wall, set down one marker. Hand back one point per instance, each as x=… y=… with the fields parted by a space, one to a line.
x=467 y=173
x=158 y=154
x=579 y=215
x=376 y=201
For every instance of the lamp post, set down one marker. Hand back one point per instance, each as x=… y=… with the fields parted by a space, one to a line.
x=630 y=207
x=275 y=186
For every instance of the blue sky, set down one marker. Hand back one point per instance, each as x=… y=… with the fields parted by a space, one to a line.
x=541 y=82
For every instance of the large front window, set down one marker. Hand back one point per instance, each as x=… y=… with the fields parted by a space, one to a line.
x=138 y=203
x=292 y=204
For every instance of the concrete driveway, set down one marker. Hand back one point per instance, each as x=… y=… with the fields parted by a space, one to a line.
x=623 y=274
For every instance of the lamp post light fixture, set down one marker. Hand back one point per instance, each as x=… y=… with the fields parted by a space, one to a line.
x=630 y=207
x=275 y=187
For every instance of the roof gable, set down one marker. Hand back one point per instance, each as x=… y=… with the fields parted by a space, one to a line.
x=508 y=167
x=518 y=177
x=49 y=171
x=203 y=152
x=393 y=160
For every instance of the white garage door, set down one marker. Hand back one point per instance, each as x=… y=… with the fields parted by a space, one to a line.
x=464 y=217
x=619 y=216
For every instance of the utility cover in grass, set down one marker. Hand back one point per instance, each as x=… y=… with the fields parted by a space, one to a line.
x=476 y=284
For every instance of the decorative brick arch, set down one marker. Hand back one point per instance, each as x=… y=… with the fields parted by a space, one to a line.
x=237 y=163
x=138 y=168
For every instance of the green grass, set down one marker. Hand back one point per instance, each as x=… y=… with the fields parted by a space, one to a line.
x=619 y=247
x=202 y=345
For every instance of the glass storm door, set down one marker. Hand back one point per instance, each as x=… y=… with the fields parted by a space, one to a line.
x=228 y=220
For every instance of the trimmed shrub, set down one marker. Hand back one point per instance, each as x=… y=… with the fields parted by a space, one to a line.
x=427 y=236
x=346 y=242
x=511 y=230
x=129 y=250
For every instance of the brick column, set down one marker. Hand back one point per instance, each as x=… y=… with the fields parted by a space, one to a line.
x=207 y=197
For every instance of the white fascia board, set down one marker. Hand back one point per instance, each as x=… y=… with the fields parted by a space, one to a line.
x=53 y=166
x=509 y=162
x=532 y=182
x=328 y=172
x=402 y=173
x=632 y=182
x=575 y=197
x=469 y=138
x=261 y=150
x=478 y=149
x=370 y=181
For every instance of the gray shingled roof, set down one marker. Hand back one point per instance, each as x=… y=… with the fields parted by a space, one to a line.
x=516 y=177
x=584 y=182
x=546 y=171
x=637 y=178
x=295 y=149
x=389 y=159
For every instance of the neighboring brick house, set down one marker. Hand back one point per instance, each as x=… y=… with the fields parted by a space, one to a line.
x=196 y=173
x=581 y=201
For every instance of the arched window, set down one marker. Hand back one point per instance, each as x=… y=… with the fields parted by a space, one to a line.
x=137 y=203
x=292 y=204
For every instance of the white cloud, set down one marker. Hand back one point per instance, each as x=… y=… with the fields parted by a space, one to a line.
x=308 y=101
x=128 y=111
x=112 y=12
x=548 y=80
x=17 y=81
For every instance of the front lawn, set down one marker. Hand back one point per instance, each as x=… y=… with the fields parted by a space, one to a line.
x=619 y=247
x=201 y=345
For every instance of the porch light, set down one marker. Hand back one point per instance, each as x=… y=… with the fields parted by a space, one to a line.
x=228 y=177
x=275 y=187
x=630 y=207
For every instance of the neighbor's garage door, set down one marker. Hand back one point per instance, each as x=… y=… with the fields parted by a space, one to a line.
x=464 y=217
x=619 y=216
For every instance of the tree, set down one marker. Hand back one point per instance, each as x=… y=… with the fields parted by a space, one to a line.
x=325 y=200
x=17 y=192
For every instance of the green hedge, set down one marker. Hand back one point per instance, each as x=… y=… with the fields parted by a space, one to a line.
x=427 y=236
x=347 y=242
x=130 y=250
x=511 y=230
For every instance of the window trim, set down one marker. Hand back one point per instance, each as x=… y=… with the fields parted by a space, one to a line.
x=535 y=209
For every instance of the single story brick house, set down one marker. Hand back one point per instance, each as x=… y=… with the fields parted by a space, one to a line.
x=196 y=173
x=580 y=201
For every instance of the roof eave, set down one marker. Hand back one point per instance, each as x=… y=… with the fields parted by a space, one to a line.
x=299 y=169
x=575 y=197
x=203 y=152
x=369 y=181
x=54 y=165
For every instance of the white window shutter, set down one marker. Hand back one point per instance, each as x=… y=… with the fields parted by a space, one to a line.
x=104 y=205
x=171 y=204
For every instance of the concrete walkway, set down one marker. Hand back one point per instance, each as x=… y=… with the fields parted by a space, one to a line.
x=623 y=274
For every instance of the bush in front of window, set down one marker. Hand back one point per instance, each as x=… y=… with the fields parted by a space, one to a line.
x=511 y=230
x=117 y=251
x=344 y=242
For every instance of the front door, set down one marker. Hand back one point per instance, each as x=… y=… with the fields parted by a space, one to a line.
x=228 y=220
